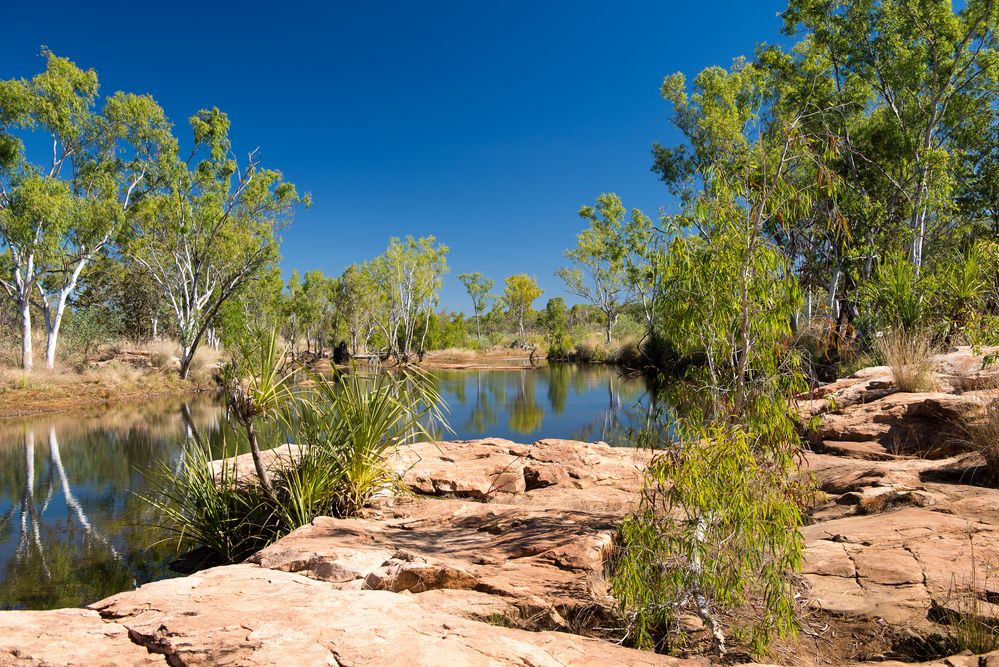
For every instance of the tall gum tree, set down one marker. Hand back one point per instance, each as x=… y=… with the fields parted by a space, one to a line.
x=602 y=258
x=520 y=291
x=210 y=229
x=927 y=71
x=56 y=216
x=410 y=274
x=478 y=288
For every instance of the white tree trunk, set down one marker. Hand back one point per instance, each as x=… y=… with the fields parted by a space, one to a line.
x=26 y=352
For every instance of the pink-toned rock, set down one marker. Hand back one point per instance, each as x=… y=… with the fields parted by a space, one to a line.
x=76 y=637
x=900 y=423
x=247 y=615
x=539 y=558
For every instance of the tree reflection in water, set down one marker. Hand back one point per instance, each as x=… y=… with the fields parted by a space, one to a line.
x=73 y=530
x=557 y=401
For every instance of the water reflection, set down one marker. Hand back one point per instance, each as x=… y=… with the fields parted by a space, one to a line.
x=558 y=401
x=73 y=528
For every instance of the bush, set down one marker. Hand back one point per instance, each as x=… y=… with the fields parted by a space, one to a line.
x=163 y=354
x=590 y=353
x=347 y=432
x=715 y=532
x=628 y=355
x=208 y=505
x=909 y=355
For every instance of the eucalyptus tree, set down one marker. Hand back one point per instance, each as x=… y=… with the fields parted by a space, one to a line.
x=602 y=259
x=212 y=228
x=478 y=288
x=521 y=290
x=317 y=295
x=718 y=525
x=357 y=302
x=410 y=274
x=911 y=75
x=57 y=215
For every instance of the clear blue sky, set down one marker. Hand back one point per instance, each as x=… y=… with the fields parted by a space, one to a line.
x=487 y=124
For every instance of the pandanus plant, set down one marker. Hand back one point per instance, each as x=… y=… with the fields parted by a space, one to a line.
x=257 y=385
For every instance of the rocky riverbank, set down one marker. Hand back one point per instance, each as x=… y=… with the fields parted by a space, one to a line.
x=500 y=557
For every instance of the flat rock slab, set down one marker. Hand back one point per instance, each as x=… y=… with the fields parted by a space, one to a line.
x=542 y=560
x=247 y=615
x=75 y=637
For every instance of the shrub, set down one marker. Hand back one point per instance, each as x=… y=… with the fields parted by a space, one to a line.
x=163 y=354
x=896 y=295
x=909 y=355
x=588 y=353
x=347 y=432
x=715 y=531
x=628 y=355
x=208 y=505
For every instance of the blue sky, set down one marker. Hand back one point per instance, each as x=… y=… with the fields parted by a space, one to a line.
x=487 y=124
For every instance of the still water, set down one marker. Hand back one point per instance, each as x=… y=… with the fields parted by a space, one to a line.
x=74 y=529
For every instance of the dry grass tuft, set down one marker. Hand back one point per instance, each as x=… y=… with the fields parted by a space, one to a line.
x=163 y=354
x=909 y=355
x=453 y=354
x=981 y=433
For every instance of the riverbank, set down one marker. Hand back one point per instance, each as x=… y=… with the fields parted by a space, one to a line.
x=504 y=543
x=42 y=391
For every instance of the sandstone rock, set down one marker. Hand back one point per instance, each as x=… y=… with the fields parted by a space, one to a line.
x=917 y=424
x=77 y=637
x=247 y=615
x=537 y=558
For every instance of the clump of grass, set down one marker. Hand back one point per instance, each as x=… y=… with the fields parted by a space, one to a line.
x=975 y=629
x=981 y=433
x=211 y=506
x=163 y=354
x=909 y=355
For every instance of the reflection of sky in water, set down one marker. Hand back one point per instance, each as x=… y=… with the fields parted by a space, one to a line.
x=580 y=403
x=73 y=530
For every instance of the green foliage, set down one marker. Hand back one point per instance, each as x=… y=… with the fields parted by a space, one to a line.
x=717 y=529
x=896 y=296
x=715 y=532
x=479 y=289
x=603 y=256
x=350 y=427
x=208 y=505
x=347 y=430
x=87 y=329
x=444 y=330
x=519 y=293
x=554 y=321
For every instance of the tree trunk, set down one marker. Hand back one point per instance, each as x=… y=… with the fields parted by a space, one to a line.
x=26 y=353
x=186 y=356
x=52 y=324
x=258 y=463
x=610 y=328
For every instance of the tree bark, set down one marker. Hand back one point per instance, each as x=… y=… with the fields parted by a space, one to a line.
x=258 y=462
x=26 y=352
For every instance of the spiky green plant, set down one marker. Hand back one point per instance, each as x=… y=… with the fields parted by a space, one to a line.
x=205 y=503
x=353 y=423
x=347 y=430
x=257 y=385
